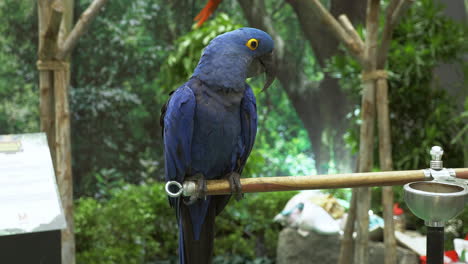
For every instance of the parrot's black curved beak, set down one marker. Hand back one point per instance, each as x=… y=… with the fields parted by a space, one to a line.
x=269 y=66
x=262 y=64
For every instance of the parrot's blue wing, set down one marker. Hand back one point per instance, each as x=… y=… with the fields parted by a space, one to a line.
x=178 y=131
x=248 y=125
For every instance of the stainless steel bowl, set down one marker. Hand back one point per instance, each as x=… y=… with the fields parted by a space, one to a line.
x=435 y=202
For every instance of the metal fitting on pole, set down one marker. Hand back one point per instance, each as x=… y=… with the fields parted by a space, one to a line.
x=436 y=154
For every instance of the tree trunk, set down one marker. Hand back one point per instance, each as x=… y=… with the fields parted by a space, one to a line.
x=331 y=103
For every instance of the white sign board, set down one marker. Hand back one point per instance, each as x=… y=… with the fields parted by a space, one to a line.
x=29 y=198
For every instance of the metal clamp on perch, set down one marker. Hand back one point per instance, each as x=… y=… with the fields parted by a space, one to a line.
x=188 y=188
x=179 y=191
x=437 y=171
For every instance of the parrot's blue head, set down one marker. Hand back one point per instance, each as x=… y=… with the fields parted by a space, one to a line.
x=232 y=57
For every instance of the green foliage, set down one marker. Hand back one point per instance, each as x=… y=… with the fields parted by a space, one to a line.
x=462 y=136
x=136 y=225
x=281 y=147
x=246 y=228
x=18 y=78
x=183 y=60
x=115 y=99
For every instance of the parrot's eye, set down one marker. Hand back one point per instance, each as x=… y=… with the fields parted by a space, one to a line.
x=252 y=44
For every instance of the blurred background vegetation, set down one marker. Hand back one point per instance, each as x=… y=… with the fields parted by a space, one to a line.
x=138 y=51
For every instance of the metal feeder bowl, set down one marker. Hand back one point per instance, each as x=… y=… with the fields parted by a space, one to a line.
x=435 y=202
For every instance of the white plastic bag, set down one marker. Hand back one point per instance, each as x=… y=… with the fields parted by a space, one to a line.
x=303 y=213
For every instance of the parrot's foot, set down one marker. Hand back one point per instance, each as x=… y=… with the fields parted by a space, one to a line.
x=201 y=188
x=234 y=183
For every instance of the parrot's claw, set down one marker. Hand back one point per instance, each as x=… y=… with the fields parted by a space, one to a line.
x=234 y=183
x=201 y=191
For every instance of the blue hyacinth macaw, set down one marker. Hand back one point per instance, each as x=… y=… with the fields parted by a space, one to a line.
x=209 y=128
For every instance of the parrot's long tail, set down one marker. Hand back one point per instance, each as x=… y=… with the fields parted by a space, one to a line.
x=193 y=251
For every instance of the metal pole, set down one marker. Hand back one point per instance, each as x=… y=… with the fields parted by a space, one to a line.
x=435 y=245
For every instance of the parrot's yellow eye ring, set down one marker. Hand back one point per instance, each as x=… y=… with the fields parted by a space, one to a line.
x=252 y=44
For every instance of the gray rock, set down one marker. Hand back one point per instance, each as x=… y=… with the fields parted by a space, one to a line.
x=324 y=249
x=405 y=256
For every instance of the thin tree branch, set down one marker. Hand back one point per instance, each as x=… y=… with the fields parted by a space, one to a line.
x=394 y=11
x=338 y=30
x=80 y=28
x=348 y=26
x=278 y=8
x=400 y=10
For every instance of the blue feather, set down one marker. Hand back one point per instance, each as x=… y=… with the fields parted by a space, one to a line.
x=248 y=123
x=178 y=130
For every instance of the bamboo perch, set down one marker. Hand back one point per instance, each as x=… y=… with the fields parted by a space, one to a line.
x=461 y=173
x=289 y=183
x=331 y=181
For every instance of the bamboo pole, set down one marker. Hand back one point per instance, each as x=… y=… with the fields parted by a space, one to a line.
x=312 y=182
x=394 y=11
x=366 y=147
x=386 y=164
x=291 y=183
x=63 y=137
x=347 y=242
x=46 y=110
x=49 y=24
x=63 y=166
x=385 y=145
x=461 y=173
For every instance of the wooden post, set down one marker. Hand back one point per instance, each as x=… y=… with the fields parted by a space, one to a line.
x=55 y=23
x=347 y=241
x=394 y=12
x=386 y=164
x=366 y=147
x=48 y=28
x=63 y=166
